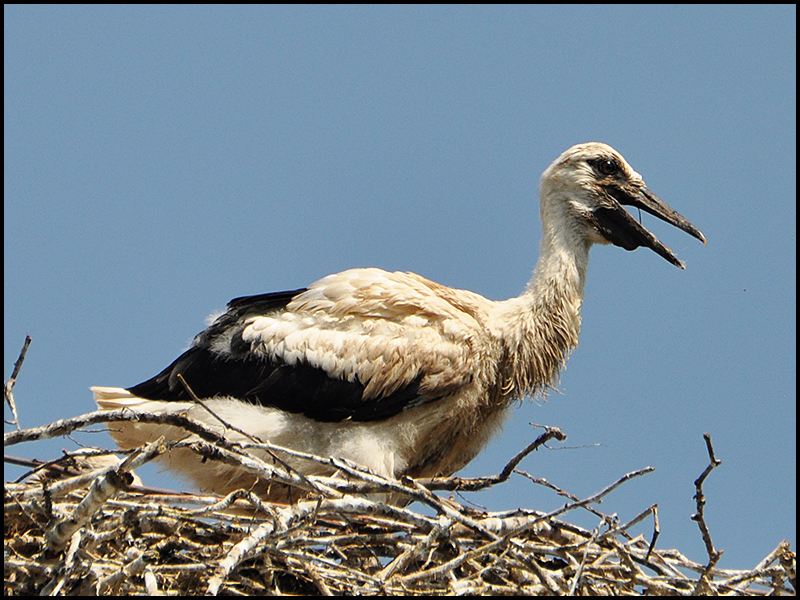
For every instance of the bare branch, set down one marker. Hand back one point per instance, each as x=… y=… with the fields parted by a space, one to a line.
x=9 y=383
x=480 y=483
x=103 y=488
x=699 y=516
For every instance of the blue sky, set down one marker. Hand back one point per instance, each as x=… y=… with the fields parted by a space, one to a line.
x=160 y=161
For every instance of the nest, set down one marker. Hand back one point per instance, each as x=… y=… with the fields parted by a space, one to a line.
x=72 y=528
x=83 y=524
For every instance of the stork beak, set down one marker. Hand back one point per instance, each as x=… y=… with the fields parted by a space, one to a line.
x=618 y=226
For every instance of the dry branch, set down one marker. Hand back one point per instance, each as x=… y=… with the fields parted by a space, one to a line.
x=8 y=387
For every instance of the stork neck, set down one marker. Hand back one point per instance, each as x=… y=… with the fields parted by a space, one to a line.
x=546 y=318
x=560 y=271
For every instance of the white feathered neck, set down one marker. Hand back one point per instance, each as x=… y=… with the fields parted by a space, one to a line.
x=541 y=327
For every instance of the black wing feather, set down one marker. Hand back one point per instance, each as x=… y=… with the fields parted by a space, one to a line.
x=259 y=380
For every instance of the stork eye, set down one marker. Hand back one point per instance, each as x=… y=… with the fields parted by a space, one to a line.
x=607 y=166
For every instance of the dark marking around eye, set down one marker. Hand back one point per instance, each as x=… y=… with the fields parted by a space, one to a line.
x=605 y=166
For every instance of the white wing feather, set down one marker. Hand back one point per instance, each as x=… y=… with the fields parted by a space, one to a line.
x=385 y=330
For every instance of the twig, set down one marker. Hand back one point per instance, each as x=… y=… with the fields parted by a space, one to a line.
x=788 y=562
x=241 y=432
x=713 y=554
x=423 y=546
x=549 y=434
x=576 y=579
x=590 y=500
x=656 y=533
x=414 y=489
x=259 y=467
x=101 y=490
x=9 y=384
x=222 y=421
x=543 y=482
x=479 y=483
x=507 y=538
x=638 y=519
x=66 y=426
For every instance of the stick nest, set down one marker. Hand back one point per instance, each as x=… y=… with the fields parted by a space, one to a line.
x=74 y=529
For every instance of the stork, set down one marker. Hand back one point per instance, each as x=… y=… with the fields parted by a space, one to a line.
x=390 y=370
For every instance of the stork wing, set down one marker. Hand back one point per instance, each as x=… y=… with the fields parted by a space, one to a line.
x=362 y=345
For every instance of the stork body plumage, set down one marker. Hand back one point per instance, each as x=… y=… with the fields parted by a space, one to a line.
x=390 y=370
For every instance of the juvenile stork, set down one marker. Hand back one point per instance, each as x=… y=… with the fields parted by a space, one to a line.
x=390 y=370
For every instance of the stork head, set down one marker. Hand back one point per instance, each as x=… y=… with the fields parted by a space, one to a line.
x=585 y=191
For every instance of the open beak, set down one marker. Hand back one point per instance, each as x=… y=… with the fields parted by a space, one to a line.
x=618 y=226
